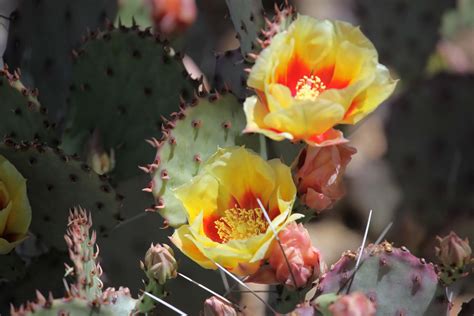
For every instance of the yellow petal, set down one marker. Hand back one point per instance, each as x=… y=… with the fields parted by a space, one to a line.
x=368 y=100
x=4 y=217
x=182 y=238
x=285 y=193
x=255 y=112
x=200 y=194
x=20 y=218
x=242 y=172
x=7 y=246
x=20 y=215
x=306 y=118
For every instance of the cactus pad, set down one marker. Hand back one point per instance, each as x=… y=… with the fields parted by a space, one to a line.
x=398 y=282
x=11 y=267
x=394 y=36
x=248 y=19
x=429 y=132
x=42 y=35
x=190 y=138
x=230 y=73
x=56 y=183
x=124 y=80
x=21 y=116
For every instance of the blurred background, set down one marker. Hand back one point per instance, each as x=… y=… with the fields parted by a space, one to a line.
x=414 y=165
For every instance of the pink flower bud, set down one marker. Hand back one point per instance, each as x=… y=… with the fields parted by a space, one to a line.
x=303 y=258
x=172 y=16
x=319 y=172
x=453 y=251
x=215 y=307
x=160 y=263
x=354 y=304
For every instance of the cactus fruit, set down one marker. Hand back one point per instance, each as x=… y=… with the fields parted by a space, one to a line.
x=42 y=35
x=190 y=138
x=420 y=127
x=21 y=116
x=398 y=45
x=398 y=282
x=56 y=183
x=154 y=77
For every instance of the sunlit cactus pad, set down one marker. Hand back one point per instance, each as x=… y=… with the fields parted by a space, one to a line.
x=398 y=282
x=192 y=135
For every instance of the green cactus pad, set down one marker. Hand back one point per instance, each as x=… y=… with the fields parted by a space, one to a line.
x=391 y=26
x=124 y=80
x=248 y=20
x=42 y=35
x=56 y=183
x=21 y=116
x=398 y=282
x=430 y=136
x=194 y=134
x=230 y=74
x=12 y=267
x=115 y=303
x=23 y=289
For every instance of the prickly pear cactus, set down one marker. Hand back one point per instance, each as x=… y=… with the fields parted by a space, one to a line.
x=124 y=80
x=398 y=282
x=248 y=19
x=21 y=116
x=230 y=73
x=398 y=45
x=56 y=183
x=190 y=137
x=42 y=35
x=431 y=158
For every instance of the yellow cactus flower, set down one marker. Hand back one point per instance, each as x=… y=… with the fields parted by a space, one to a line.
x=313 y=76
x=225 y=222
x=15 y=210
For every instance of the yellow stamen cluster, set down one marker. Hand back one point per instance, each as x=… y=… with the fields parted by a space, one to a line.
x=309 y=88
x=240 y=223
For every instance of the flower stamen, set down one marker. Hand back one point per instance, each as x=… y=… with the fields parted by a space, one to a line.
x=240 y=223
x=309 y=88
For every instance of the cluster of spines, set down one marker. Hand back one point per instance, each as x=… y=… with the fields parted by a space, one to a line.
x=87 y=290
x=81 y=246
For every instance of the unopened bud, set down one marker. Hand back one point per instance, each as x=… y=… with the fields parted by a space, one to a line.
x=213 y=306
x=453 y=251
x=160 y=263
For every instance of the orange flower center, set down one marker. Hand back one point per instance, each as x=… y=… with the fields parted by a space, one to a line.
x=309 y=88
x=4 y=196
x=240 y=223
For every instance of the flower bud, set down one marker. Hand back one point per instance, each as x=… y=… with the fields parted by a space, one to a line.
x=354 y=304
x=319 y=172
x=213 y=306
x=160 y=263
x=453 y=252
x=303 y=258
x=172 y=16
